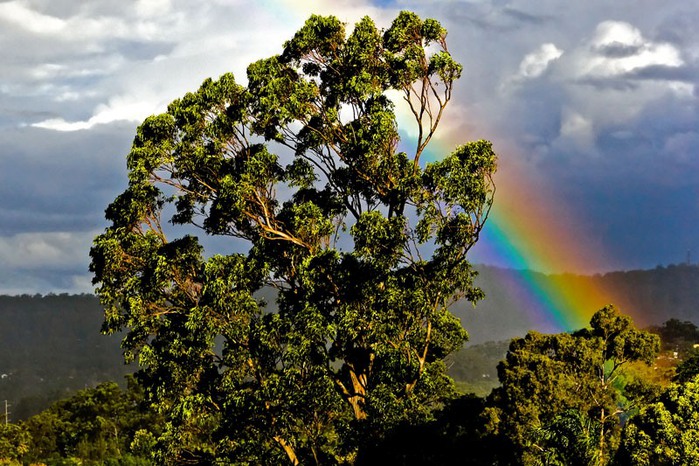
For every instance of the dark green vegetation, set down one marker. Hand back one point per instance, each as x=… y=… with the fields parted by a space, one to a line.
x=53 y=347
x=96 y=426
x=552 y=381
x=584 y=398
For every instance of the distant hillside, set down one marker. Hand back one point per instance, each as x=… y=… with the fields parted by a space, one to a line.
x=51 y=345
x=650 y=296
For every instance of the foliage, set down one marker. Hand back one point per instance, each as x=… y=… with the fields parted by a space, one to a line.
x=570 y=439
x=544 y=377
x=14 y=443
x=454 y=436
x=94 y=426
x=665 y=432
x=688 y=369
x=677 y=335
x=364 y=243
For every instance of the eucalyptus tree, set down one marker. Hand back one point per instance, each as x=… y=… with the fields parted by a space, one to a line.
x=363 y=241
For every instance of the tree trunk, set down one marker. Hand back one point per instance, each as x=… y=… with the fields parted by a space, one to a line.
x=601 y=438
x=288 y=449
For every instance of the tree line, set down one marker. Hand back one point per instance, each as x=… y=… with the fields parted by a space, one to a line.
x=599 y=395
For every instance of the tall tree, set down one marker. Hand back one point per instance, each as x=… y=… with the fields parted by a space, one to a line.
x=549 y=381
x=363 y=243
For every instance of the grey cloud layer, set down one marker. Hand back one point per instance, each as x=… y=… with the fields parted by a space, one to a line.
x=77 y=79
x=600 y=100
x=598 y=97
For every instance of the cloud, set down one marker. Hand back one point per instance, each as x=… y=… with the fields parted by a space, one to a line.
x=599 y=99
x=87 y=73
x=535 y=64
x=577 y=132
x=599 y=85
x=618 y=48
x=151 y=8
x=78 y=27
x=120 y=109
x=40 y=281
x=58 y=181
x=168 y=52
x=19 y=15
x=52 y=250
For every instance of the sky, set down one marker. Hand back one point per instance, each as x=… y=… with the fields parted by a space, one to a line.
x=592 y=107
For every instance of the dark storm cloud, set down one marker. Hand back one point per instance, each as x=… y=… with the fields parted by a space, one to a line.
x=77 y=77
x=491 y=18
x=617 y=50
x=639 y=194
x=687 y=74
x=524 y=17
x=141 y=50
x=54 y=181
x=610 y=125
x=680 y=26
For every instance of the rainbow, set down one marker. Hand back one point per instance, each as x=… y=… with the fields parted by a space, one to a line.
x=529 y=230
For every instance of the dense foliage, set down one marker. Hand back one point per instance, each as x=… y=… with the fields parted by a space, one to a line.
x=54 y=347
x=106 y=425
x=96 y=426
x=665 y=432
x=566 y=394
x=365 y=244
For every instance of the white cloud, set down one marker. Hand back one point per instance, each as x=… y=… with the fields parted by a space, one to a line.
x=119 y=109
x=203 y=44
x=50 y=250
x=617 y=32
x=152 y=7
x=21 y=16
x=577 y=132
x=18 y=14
x=606 y=82
x=532 y=66
x=618 y=48
x=536 y=63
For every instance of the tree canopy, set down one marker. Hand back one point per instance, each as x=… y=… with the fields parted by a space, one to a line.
x=95 y=426
x=666 y=431
x=563 y=396
x=304 y=178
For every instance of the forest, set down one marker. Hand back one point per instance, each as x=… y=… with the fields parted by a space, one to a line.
x=286 y=272
x=71 y=398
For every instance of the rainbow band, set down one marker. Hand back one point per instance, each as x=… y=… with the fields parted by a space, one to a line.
x=530 y=229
